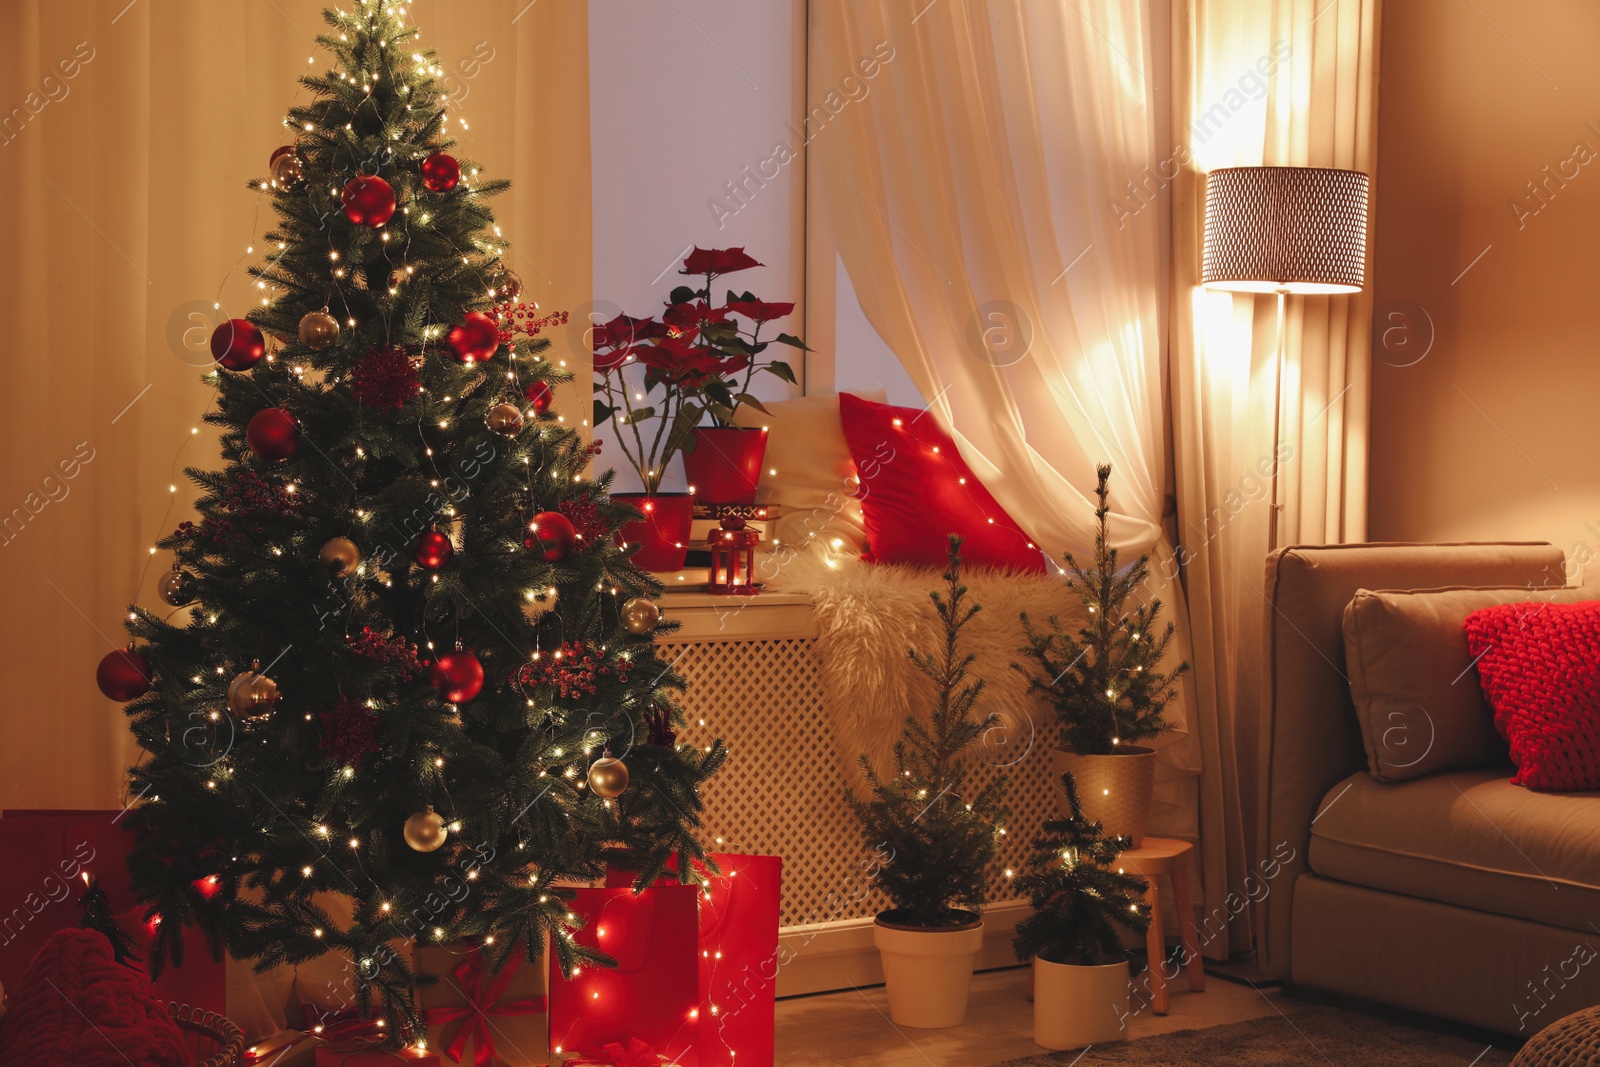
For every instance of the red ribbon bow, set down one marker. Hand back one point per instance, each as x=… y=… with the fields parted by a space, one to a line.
x=482 y=1002
x=635 y=1054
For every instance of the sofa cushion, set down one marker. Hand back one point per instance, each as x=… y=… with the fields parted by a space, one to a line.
x=1416 y=695
x=1540 y=666
x=1468 y=838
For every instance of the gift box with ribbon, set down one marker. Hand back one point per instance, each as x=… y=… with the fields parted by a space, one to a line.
x=500 y=1014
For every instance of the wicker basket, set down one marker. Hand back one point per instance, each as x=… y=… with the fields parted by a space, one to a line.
x=213 y=1040
x=1115 y=791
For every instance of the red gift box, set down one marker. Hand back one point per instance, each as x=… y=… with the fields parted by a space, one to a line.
x=651 y=996
x=45 y=855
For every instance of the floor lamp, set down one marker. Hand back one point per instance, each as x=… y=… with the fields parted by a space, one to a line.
x=1292 y=231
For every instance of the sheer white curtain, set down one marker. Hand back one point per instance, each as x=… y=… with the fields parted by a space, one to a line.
x=980 y=197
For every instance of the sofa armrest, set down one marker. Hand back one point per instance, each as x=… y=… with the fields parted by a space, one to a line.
x=1309 y=736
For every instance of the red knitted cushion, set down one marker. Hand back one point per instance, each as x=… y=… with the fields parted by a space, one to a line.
x=1539 y=664
x=78 y=1005
x=916 y=491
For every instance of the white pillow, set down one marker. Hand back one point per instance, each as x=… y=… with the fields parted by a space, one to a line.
x=815 y=480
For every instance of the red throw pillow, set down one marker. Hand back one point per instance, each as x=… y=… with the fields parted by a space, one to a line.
x=78 y=1005
x=916 y=491
x=1539 y=664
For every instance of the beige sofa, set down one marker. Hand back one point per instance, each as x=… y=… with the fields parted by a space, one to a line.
x=1456 y=894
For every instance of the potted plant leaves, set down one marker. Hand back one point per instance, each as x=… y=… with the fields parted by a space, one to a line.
x=933 y=830
x=1104 y=679
x=1080 y=906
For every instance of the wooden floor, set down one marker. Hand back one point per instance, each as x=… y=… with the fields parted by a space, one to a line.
x=852 y=1028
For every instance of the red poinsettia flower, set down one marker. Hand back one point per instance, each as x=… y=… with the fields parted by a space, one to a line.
x=680 y=362
x=717 y=261
x=682 y=317
x=759 y=310
x=625 y=330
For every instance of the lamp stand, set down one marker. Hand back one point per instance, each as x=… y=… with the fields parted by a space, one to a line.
x=1277 y=422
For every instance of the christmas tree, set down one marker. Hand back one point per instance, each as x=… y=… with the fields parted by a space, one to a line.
x=934 y=840
x=417 y=673
x=1105 y=680
x=1078 y=900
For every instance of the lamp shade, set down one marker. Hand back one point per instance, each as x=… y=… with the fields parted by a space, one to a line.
x=1285 y=229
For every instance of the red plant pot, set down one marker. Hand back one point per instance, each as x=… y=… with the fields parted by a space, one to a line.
x=663 y=534
x=725 y=465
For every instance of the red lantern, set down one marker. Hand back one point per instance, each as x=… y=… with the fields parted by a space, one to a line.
x=539 y=396
x=273 y=435
x=440 y=172
x=458 y=676
x=433 y=550
x=368 y=200
x=475 y=339
x=554 y=533
x=237 y=344
x=733 y=558
x=123 y=675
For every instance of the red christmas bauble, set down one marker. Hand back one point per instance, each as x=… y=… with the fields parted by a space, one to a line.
x=458 y=676
x=280 y=150
x=273 y=435
x=555 y=534
x=440 y=172
x=475 y=339
x=368 y=200
x=433 y=550
x=123 y=675
x=237 y=344
x=540 y=395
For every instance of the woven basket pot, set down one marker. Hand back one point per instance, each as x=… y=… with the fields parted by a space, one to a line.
x=214 y=1041
x=1115 y=791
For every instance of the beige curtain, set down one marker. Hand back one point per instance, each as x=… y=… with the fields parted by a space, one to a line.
x=1260 y=82
x=969 y=194
x=127 y=132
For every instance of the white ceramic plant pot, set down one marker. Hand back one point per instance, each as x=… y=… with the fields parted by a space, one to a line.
x=928 y=971
x=1115 y=791
x=1078 y=1006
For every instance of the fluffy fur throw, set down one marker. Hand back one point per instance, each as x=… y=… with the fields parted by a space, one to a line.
x=869 y=615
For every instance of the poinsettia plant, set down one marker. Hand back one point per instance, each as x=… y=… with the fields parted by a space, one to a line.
x=699 y=361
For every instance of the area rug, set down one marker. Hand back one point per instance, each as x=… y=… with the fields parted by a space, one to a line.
x=1314 y=1037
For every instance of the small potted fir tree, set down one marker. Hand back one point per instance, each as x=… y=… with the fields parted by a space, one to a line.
x=1080 y=967
x=1105 y=682
x=933 y=832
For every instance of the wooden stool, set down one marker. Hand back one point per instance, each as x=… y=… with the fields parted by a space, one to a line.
x=1158 y=856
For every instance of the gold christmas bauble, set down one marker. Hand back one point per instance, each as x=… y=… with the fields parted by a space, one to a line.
x=537 y=603
x=286 y=170
x=176 y=587
x=425 y=831
x=341 y=554
x=319 y=329
x=640 y=615
x=507 y=286
x=608 y=777
x=504 y=419
x=252 y=695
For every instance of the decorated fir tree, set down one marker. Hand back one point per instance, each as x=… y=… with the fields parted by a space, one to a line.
x=932 y=828
x=1104 y=679
x=415 y=671
x=1079 y=901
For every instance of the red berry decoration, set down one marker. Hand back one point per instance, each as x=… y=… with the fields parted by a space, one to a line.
x=433 y=550
x=123 y=675
x=475 y=339
x=458 y=676
x=368 y=200
x=237 y=344
x=539 y=396
x=555 y=534
x=440 y=172
x=273 y=435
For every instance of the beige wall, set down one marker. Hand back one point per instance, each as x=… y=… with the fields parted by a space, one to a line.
x=1492 y=431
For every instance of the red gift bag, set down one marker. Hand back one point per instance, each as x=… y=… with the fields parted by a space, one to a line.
x=738 y=943
x=43 y=858
x=650 y=998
